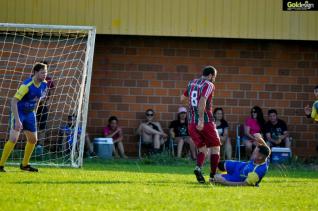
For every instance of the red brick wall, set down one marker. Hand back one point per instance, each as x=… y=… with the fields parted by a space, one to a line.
x=132 y=74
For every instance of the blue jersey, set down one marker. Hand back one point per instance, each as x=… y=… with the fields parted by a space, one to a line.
x=29 y=93
x=245 y=171
x=69 y=132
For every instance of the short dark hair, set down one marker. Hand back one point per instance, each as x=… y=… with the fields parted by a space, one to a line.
x=112 y=118
x=270 y=111
x=38 y=67
x=316 y=87
x=264 y=150
x=208 y=70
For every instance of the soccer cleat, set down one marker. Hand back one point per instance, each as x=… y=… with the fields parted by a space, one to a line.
x=2 y=169
x=198 y=173
x=28 y=168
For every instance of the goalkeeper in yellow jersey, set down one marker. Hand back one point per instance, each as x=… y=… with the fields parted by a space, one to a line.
x=313 y=112
x=22 y=117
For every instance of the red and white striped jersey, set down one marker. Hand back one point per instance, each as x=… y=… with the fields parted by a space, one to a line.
x=195 y=90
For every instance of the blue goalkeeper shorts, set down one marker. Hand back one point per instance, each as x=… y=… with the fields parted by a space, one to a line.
x=27 y=119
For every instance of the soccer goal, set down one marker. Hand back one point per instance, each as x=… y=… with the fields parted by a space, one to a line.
x=68 y=52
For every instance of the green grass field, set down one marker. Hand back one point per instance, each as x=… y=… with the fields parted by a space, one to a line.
x=122 y=185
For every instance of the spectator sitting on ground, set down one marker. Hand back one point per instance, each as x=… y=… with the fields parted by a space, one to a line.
x=66 y=133
x=253 y=125
x=223 y=130
x=179 y=132
x=276 y=131
x=116 y=133
x=151 y=132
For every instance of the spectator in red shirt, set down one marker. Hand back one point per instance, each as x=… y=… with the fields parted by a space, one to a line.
x=116 y=133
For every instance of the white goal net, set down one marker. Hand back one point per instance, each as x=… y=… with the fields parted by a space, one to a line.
x=68 y=52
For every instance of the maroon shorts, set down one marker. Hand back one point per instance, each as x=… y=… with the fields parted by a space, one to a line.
x=208 y=136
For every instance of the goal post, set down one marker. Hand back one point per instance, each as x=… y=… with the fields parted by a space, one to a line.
x=68 y=51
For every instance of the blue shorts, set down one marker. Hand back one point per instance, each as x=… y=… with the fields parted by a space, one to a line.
x=27 y=119
x=233 y=169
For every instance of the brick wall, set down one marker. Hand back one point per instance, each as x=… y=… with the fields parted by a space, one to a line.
x=132 y=74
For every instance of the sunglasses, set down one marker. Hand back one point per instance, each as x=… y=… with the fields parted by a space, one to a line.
x=149 y=114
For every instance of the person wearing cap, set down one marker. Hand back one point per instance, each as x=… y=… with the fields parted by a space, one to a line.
x=178 y=130
x=245 y=173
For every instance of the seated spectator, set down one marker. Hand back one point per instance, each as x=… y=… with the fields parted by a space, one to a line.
x=223 y=130
x=66 y=133
x=276 y=131
x=179 y=132
x=151 y=132
x=116 y=133
x=253 y=125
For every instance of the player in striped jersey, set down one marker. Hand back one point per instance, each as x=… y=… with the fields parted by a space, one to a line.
x=201 y=126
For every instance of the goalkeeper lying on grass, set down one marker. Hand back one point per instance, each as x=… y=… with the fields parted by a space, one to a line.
x=245 y=173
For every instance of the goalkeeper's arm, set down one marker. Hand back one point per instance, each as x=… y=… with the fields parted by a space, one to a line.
x=260 y=140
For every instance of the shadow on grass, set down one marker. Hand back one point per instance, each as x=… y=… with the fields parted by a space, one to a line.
x=79 y=182
x=185 y=167
x=140 y=166
x=160 y=183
